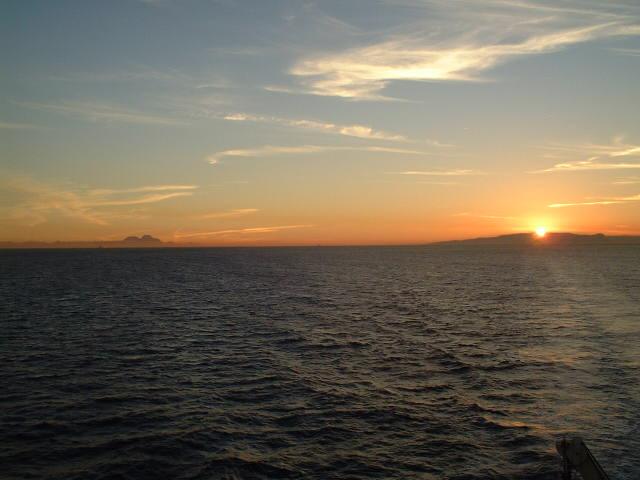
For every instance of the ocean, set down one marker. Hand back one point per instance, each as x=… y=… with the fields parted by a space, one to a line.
x=433 y=362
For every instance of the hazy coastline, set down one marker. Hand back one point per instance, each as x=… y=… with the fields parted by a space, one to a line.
x=517 y=239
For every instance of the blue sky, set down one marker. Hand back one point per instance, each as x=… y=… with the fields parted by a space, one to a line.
x=278 y=122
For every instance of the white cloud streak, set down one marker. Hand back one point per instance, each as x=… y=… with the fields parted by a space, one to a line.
x=489 y=217
x=601 y=157
x=241 y=231
x=236 y=212
x=272 y=150
x=355 y=130
x=629 y=52
x=150 y=188
x=609 y=201
x=627 y=181
x=582 y=165
x=154 y=198
x=101 y=112
x=463 y=44
x=440 y=173
x=438 y=183
x=133 y=73
x=16 y=126
x=42 y=201
x=617 y=155
x=583 y=204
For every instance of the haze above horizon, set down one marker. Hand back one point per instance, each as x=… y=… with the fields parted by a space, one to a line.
x=318 y=122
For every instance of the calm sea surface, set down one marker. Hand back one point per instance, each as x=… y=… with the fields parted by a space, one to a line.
x=350 y=363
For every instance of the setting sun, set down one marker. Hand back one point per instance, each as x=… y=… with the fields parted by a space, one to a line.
x=541 y=232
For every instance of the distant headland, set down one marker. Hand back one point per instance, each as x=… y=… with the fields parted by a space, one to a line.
x=549 y=239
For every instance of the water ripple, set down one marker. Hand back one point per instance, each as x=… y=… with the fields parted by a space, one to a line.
x=412 y=362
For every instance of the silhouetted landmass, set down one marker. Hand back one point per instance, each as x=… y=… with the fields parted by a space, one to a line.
x=145 y=241
x=550 y=239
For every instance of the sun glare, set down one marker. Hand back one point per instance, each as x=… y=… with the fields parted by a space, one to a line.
x=541 y=232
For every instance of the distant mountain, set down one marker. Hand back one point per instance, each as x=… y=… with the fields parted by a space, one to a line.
x=550 y=239
x=145 y=241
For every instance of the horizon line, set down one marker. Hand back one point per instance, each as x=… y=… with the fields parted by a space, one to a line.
x=97 y=244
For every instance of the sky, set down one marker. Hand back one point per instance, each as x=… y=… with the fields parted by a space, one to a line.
x=293 y=122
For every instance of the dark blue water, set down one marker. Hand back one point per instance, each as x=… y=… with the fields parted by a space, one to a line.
x=351 y=363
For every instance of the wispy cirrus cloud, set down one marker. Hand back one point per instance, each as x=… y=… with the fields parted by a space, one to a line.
x=273 y=150
x=617 y=148
x=438 y=183
x=153 y=198
x=240 y=51
x=131 y=73
x=617 y=155
x=146 y=75
x=235 y=213
x=102 y=112
x=583 y=204
x=39 y=201
x=591 y=164
x=150 y=188
x=439 y=173
x=627 y=181
x=355 y=130
x=489 y=217
x=16 y=126
x=240 y=231
x=629 y=52
x=600 y=157
x=605 y=201
x=450 y=43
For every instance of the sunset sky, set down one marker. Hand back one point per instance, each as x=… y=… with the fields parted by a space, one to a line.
x=259 y=122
